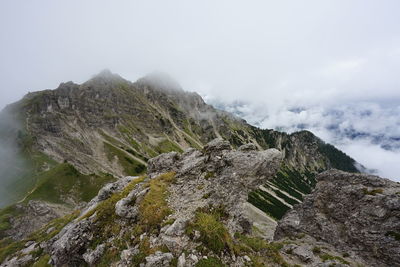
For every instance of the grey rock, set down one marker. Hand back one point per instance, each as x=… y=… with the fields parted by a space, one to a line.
x=247 y=147
x=233 y=175
x=127 y=255
x=193 y=258
x=128 y=206
x=92 y=256
x=303 y=254
x=182 y=260
x=174 y=243
x=66 y=247
x=352 y=212
x=163 y=162
x=29 y=249
x=35 y=214
x=158 y=259
x=177 y=228
x=217 y=146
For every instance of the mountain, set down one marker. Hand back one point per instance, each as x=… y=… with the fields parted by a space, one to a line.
x=191 y=209
x=70 y=142
x=368 y=131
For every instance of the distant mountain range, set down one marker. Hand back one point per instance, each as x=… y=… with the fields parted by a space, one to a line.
x=363 y=124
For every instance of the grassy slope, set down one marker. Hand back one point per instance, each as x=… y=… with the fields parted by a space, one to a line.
x=55 y=184
x=65 y=180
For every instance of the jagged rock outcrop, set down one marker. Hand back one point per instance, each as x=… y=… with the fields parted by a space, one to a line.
x=218 y=177
x=357 y=214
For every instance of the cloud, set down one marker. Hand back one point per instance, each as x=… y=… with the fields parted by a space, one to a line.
x=368 y=132
x=287 y=63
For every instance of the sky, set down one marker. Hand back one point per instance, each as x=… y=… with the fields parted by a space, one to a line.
x=287 y=63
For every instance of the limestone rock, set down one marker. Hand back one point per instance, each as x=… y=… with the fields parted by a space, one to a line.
x=354 y=213
x=92 y=256
x=159 y=259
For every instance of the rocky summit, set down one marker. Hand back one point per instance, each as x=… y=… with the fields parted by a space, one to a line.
x=115 y=173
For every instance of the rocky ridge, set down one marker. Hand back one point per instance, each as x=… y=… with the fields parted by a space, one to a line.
x=357 y=214
x=192 y=210
x=76 y=138
x=212 y=183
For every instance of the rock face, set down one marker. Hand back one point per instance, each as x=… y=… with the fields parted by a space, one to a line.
x=33 y=216
x=218 y=176
x=357 y=214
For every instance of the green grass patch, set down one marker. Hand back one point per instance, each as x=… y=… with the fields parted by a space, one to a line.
x=167 y=146
x=325 y=257
x=393 y=234
x=255 y=246
x=372 y=192
x=154 y=208
x=57 y=225
x=209 y=175
x=106 y=224
x=5 y=215
x=9 y=247
x=42 y=261
x=129 y=165
x=63 y=180
x=213 y=233
x=316 y=250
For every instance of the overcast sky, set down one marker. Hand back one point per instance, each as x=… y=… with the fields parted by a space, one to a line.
x=277 y=54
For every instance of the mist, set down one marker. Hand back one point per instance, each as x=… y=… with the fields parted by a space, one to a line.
x=313 y=56
x=13 y=165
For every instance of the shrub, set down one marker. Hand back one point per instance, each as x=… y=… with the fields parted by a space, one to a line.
x=316 y=250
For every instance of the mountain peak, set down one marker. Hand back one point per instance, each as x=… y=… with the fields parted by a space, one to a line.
x=106 y=76
x=161 y=81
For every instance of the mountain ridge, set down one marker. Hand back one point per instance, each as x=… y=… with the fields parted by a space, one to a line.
x=77 y=138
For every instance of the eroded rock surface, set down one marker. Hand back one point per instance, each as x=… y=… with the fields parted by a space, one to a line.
x=355 y=213
x=217 y=176
x=34 y=215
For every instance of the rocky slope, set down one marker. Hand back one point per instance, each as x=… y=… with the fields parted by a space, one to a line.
x=357 y=214
x=191 y=209
x=71 y=141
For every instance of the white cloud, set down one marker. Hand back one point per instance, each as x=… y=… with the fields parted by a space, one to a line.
x=275 y=56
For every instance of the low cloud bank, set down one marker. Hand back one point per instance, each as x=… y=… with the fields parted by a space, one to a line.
x=369 y=132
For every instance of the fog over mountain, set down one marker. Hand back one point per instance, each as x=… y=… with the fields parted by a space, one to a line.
x=327 y=66
x=369 y=132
